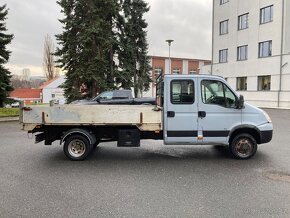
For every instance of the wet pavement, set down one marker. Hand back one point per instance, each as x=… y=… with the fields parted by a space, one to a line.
x=151 y=181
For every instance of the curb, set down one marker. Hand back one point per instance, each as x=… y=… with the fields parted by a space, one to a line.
x=9 y=119
x=275 y=108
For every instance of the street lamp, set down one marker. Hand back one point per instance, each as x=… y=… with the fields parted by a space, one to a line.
x=169 y=41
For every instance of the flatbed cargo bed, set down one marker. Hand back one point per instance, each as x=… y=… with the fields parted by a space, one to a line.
x=145 y=117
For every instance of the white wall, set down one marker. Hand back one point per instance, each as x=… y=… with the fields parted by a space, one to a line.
x=254 y=66
x=287 y=27
x=185 y=67
x=205 y=69
x=57 y=92
x=167 y=66
x=53 y=89
x=253 y=35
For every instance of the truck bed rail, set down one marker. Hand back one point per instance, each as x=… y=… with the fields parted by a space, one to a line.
x=142 y=116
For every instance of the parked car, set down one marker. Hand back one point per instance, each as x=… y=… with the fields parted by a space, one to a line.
x=12 y=105
x=15 y=104
x=116 y=97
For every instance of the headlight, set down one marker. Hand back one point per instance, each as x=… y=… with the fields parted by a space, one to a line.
x=267 y=117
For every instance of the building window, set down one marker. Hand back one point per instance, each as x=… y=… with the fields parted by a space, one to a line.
x=266 y=14
x=224 y=27
x=243 y=21
x=182 y=92
x=264 y=83
x=242 y=83
x=265 y=49
x=223 y=2
x=223 y=56
x=53 y=95
x=192 y=72
x=242 y=53
x=157 y=72
x=176 y=71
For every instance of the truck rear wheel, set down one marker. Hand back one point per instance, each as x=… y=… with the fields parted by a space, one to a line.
x=243 y=146
x=77 y=147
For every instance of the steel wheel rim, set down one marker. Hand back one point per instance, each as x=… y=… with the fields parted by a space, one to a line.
x=244 y=147
x=76 y=148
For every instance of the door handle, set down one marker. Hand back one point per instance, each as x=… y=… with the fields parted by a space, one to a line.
x=170 y=114
x=201 y=114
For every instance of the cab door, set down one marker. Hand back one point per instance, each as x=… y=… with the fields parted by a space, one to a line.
x=217 y=111
x=180 y=110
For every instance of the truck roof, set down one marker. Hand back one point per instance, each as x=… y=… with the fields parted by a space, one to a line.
x=194 y=76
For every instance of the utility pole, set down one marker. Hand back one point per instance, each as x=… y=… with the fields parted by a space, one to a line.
x=169 y=41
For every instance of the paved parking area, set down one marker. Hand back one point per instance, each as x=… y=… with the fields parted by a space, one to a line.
x=151 y=181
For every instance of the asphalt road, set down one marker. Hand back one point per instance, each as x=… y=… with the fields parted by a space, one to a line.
x=150 y=181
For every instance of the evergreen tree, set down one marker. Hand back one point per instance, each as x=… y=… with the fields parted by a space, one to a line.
x=5 y=39
x=68 y=52
x=88 y=46
x=133 y=53
x=94 y=33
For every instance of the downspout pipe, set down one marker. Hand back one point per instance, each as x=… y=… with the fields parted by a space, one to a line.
x=212 y=40
x=281 y=53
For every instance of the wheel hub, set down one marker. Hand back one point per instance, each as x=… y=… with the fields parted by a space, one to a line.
x=244 y=147
x=76 y=148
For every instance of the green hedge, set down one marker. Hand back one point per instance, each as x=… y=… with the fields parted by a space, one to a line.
x=9 y=112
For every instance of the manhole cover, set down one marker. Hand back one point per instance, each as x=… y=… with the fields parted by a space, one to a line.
x=278 y=176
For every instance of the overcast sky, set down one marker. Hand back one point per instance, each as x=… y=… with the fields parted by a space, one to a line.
x=188 y=22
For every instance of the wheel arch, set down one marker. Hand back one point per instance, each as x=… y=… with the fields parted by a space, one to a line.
x=79 y=131
x=249 y=129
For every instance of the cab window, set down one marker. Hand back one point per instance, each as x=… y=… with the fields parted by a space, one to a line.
x=216 y=92
x=182 y=92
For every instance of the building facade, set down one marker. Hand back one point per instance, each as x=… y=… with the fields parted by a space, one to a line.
x=51 y=90
x=251 y=49
x=177 y=65
x=27 y=95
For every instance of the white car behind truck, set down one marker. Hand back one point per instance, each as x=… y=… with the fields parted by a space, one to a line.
x=191 y=110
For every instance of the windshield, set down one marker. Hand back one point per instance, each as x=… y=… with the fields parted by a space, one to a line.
x=104 y=96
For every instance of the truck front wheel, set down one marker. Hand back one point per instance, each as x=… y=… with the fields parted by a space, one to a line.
x=77 y=147
x=243 y=146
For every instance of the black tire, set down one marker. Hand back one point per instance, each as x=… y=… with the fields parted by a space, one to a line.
x=77 y=147
x=243 y=146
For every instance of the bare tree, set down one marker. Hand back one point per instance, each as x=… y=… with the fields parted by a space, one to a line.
x=48 y=58
x=18 y=82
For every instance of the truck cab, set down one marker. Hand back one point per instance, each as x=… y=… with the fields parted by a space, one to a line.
x=204 y=109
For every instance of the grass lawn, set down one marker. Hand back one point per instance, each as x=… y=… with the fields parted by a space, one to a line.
x=9 y=112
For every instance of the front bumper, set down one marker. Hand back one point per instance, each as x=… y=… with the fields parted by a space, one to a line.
x=266 y=133
x=266 y=136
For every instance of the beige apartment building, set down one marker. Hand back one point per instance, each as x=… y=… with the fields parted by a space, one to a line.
x=251 y=49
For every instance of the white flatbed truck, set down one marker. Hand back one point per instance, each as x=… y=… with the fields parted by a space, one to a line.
x=191 y=110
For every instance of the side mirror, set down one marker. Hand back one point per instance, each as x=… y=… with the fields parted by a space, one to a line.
x=240 y=102
x=98 y=99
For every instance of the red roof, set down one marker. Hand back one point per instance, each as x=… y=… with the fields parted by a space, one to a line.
x=26 y=94
x=47 y=83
